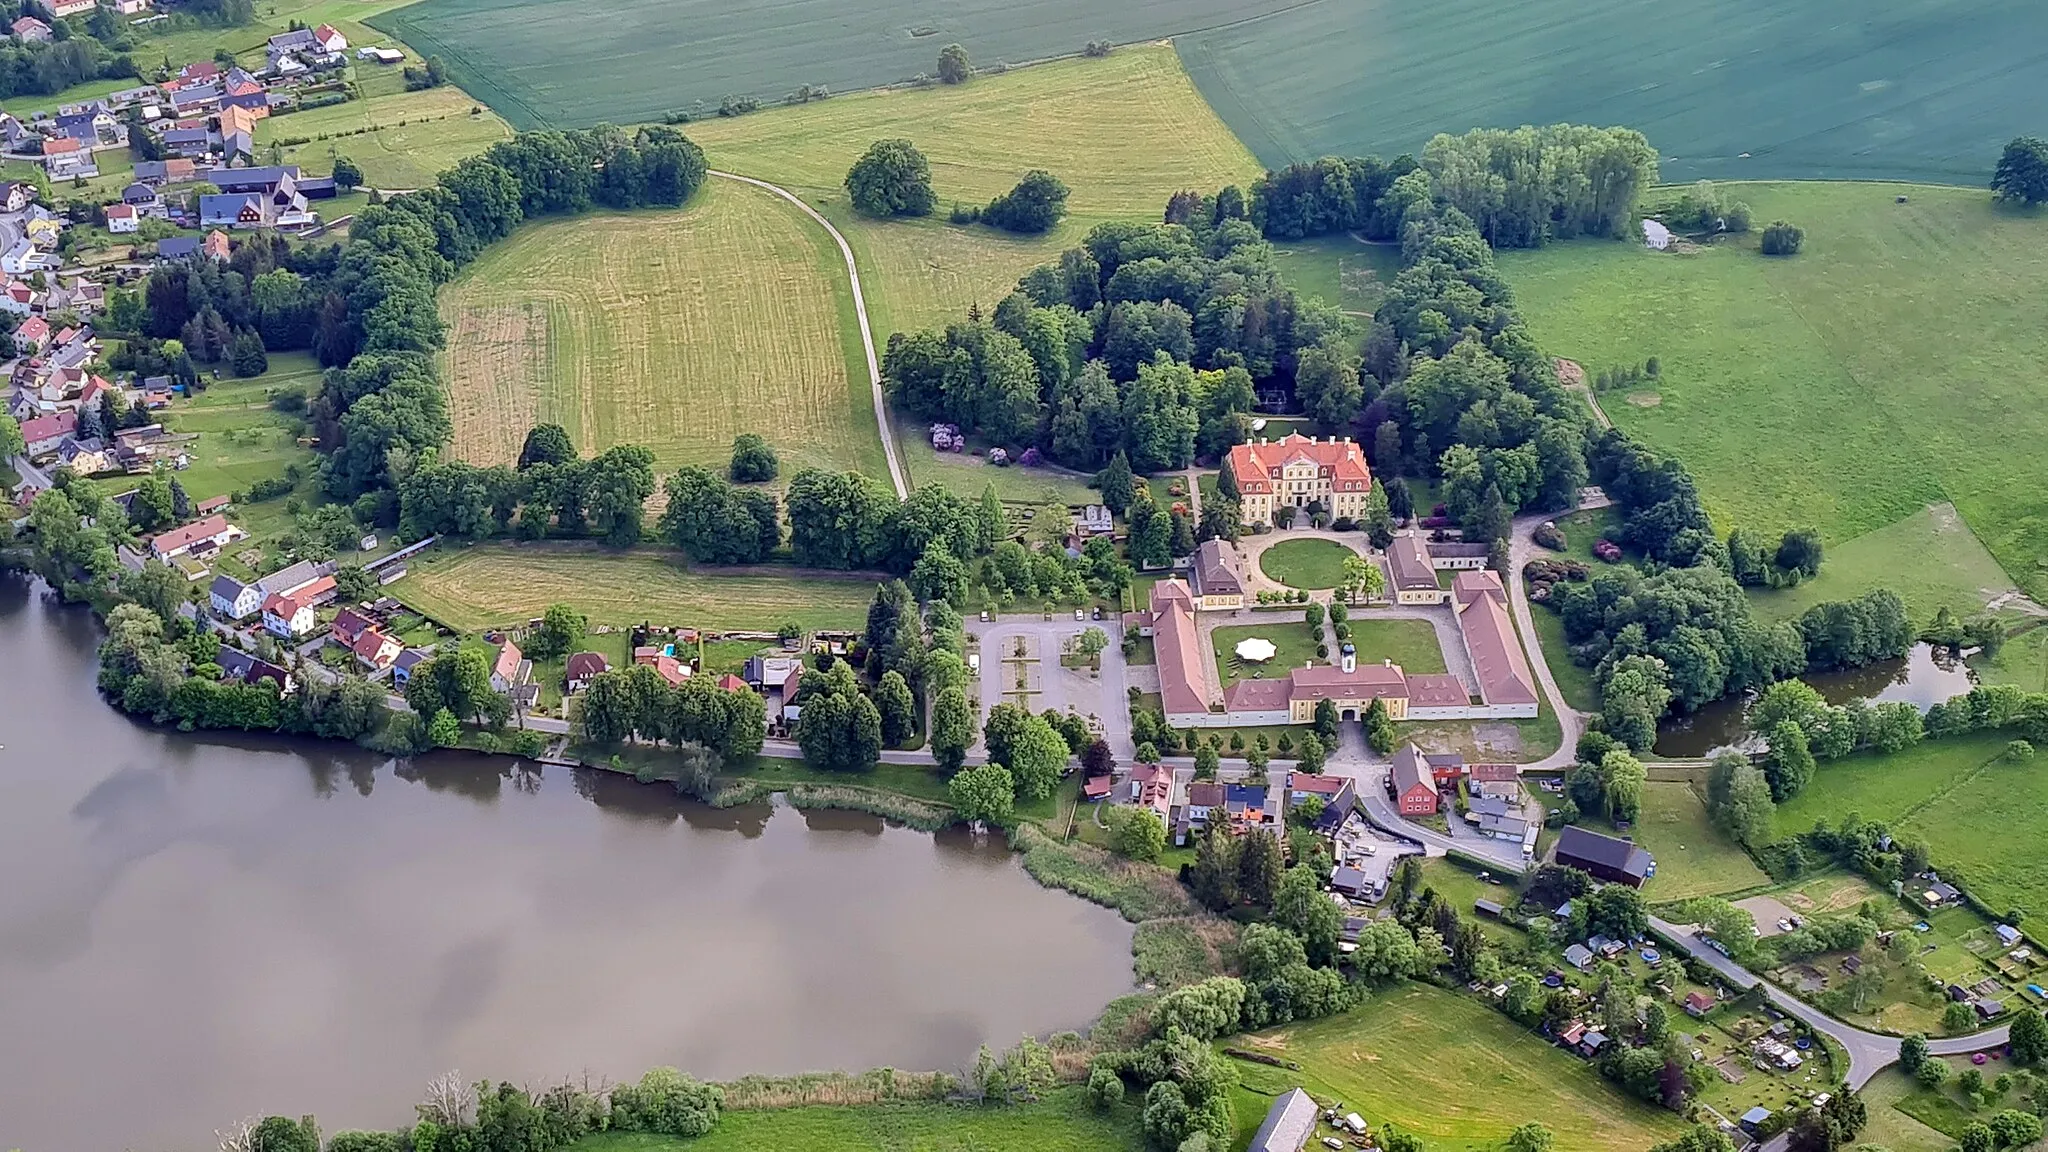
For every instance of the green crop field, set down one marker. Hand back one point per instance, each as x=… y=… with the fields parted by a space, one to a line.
x=499 y=584
x=1124 y=133
x=1917 y=89
x=1310 y=563
x=1062 y=1122
x=1454 y=1072
x=677 y=330
x=400 y=141
x=1879 y=372
x=548 y=63
x=1693 y=857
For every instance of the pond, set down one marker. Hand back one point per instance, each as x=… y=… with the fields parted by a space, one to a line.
x=194 y=930
x=1925 y=676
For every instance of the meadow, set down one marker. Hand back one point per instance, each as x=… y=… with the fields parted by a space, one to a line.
x=1748 y=89
x=499 y=584
x=676 y=330
x=1062 y=1122
x=1693 y=857
x=1849 y=388
x=1482 y=1077
x=400 y=141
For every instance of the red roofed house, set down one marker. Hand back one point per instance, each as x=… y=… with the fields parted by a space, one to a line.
x=288 y=616
x=1414 y=783
x=211 y=505
x=212 y=532
x=582 y=668
x=1412 y=573
x=1302 y=785
x=122 y=218
x=64 y=158
x=1152 y=787
x=375 y=650
x=46 y=434
x=1296 y=471
x=1187 y=675
x=216 y=245
x=731 y=683
x=32 y=336
x=349 y=625
x=21 y=299
x=511 y=668
x=30 y=30
x=330 y=40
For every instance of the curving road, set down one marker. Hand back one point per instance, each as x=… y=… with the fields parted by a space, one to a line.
x=860 y=311
x=1869 y=1052
x=1570 y=720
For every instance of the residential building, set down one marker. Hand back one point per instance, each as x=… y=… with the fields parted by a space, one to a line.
x=1247 y=806
x=376 y=650
x=511 y=669
x=215 y=247
x=141 y=197
x=62 y=8
x=45 y=434
x=30 y=30
x=583 y=667
x=1411 y=574
x=238 y=666
x=22 y=258
x=1151 y=786
x=64 y=158
x=15 y=196
x=232 y=599
x=202 y=535
x=288 y=616
x=1215 y=577
x=1302 y=785
x=1297 y=471
x=122 y=218
x=411 y=658
x=93 y=126
x=1607 y=858
x=308 y=47
x=1288 y=1124
x=1414 y=783
x=84 y=457
x=349 y=625
x=177 y=248
x=1698 y=1004
x=33 y=334
x=175 y=170
x=1457 y=555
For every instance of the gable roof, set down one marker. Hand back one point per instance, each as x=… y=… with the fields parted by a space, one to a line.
x=1288 y=1124
x=184 y=537
x=584 y=665
x=1409 y=565
x=370 y=643
x=1411 y=771
x=1497 y=660
x=1473 y=583
x=1186 y=674
x=1607 y=851
x=1215 y=569
x=227 y=588
x=507 y=665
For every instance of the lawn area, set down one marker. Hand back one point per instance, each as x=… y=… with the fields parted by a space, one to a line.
x=2023 y=661
x=1411 y=644
x=1290 y=637
x=1574 y=681
x=1890 y=1125
x=1311 y=563
x=400 y=141
x=1830 y=91
x=242 y=439
x=474 y=588
x=677 y=330
x=1930 y=559
x=1450 y=1070
x=1124 y=133
x=1693 y=857
x=968 y=473
x=1339 y=270
x=1847 y=389
x=1062 y=1122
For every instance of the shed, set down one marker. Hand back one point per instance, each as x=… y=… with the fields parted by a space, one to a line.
x=1487 y=907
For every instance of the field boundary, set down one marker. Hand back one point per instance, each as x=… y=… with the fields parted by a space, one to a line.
x=860 y=311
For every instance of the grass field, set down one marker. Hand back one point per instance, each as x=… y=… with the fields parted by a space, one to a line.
x=1410 y=643
x=1693 y=857
x=545 y=63
x=400 y=141
x=1930 y=559
x=1339 y=270
x=1124 y=133
x=1307 y=563
x=242 y=439
x=1891 y=1126
x=1745 y=89
x=673 y=329
x=1982 y=815
x=474 y=588
x=1480 y=1078
x=1062 y=1122
x=1848 y=388
x=1293 y=647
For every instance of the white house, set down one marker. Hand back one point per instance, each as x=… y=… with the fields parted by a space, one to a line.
x=122 y=218
x=46 y=434
x=233 y=599
x=288 y=617
x=22 y=258
x=375 y=650
x=214 y=531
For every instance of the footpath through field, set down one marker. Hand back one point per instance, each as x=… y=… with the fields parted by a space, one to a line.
x=860 y=311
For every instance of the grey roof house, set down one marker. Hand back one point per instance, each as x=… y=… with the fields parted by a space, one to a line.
x=1288 y=1124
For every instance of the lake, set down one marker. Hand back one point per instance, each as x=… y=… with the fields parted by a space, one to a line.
x=196 y=929
x=1925 y=677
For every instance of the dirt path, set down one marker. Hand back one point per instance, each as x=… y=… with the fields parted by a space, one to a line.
x=860 y=310
x=1573 y=377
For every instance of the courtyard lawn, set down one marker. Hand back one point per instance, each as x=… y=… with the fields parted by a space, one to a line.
x=1123 y=133
x=1848 y=388
x=1062 y=1122
x=1693 y=857
x=477 y=587
x=1310 y=562
x=1412 y=644
x=1449 y=1069
x=400 y=141
x=1292 y=643
x=677 y=330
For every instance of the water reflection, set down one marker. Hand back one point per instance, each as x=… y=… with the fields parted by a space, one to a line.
x=198 y=928
x=1925 y=677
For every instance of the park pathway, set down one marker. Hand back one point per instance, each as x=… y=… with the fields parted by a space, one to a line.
x=860 y=311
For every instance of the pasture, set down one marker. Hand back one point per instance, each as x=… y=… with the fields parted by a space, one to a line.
x=1693 y=857
x=1915 y=90
x=501 y=584
x=1849 y=388
x=545 y=63
x=400 y=141
x=1450 y=1070
x=676 y=330
x=1124 y=133
x=1062 y=1122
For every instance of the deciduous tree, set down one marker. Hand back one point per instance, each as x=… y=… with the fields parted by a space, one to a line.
x=892 y=178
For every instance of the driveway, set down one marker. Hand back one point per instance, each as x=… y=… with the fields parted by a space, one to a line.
x=1521 y=549
x=1101 y=695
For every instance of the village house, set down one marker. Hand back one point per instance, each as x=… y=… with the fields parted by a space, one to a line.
x=1151 y=786
x=376 y=650
x=93 y=126
x=64 y=158
x=1414 y=783
x=30 y=30
x=23 y=258
x=1411 y=574
x=349 y=624
x=177 y=248
x=122 y=218
x=583 y=667
x=1297 y=471
x=84 y=457
x=45 y=434
x=411 y=658
x=175 y=170
x=59 y=9
x=288 y=616
x=1288 y=1125
x=511 y=671
x=200 y=538
x=33 y=334
x=304 y=48
x=15 y=196
x=237 y=666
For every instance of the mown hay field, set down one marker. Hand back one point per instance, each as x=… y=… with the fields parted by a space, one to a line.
x=1886 y=368
x=551 y=63
x=500 y=584
x=1450 y=1070
x=1832 y=89
x=676 y=330
x=401 y=141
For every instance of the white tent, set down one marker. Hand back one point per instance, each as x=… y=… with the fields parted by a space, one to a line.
x=1256 y=650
